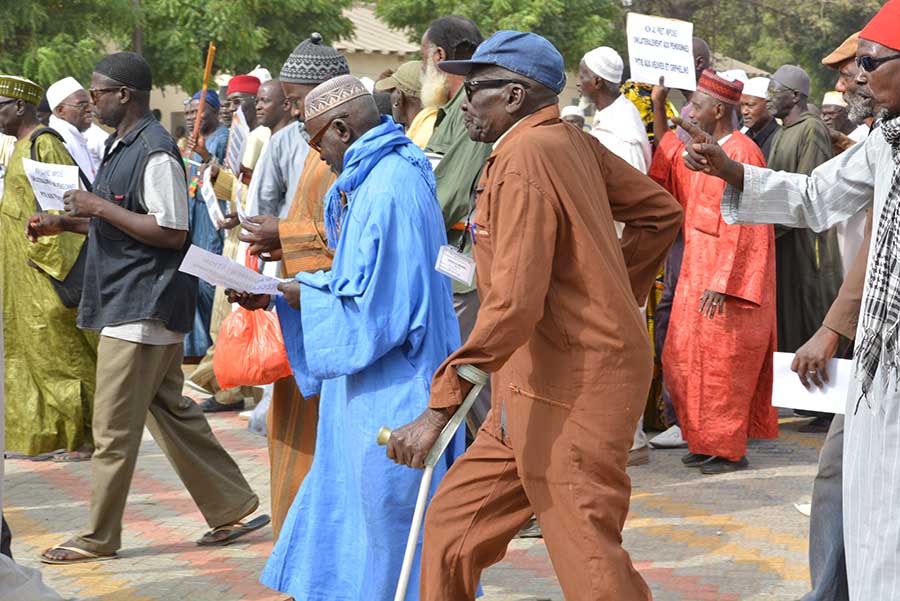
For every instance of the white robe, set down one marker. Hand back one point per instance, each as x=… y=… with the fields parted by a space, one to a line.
x=77 y=145
x=837 y=190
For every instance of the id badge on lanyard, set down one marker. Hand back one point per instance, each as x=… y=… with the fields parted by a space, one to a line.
x=455 y=265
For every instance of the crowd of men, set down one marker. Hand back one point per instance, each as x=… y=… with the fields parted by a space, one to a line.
x=603 y=270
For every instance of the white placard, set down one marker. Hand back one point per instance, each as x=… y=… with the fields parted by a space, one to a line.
x=661 y=47
x=222 y=271
x=790 y=393
x=50 y=182
x=212 y=203
x=237 y=139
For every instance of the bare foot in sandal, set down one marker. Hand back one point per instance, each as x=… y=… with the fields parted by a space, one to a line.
x=83 y=453
x=69 y=552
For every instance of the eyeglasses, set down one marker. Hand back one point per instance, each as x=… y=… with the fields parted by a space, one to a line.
x=870 y=63
x=314 y=141
x=478 y=84
x=98 y=92
x=84 y=104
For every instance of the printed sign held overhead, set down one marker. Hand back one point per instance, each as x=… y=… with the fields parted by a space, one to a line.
x=659 y=47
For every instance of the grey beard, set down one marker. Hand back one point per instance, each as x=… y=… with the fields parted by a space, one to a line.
x=859 y=108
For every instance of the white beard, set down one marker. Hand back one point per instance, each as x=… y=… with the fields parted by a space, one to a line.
x=435 y=90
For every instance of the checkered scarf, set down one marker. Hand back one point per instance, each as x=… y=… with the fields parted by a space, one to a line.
x=881 y=313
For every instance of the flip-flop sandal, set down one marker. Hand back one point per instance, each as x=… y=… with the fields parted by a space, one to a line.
x=224 y=535
x=73 y=457
x=86 y=556
x=46 y=456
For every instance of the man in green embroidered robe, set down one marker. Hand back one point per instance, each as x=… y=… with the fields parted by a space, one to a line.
x=50 y=363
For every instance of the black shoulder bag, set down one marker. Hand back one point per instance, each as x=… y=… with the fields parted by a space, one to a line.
x=69 y=289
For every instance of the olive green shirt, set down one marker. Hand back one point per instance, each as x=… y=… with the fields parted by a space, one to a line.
x=457 y=174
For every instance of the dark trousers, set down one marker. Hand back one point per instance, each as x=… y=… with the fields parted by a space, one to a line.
x=5 y=540
x=664 y=310
x=827 y=561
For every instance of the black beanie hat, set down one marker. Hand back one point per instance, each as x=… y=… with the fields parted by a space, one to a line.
x=126 y=68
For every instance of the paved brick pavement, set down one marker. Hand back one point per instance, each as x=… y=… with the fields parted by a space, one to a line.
x=693 y=537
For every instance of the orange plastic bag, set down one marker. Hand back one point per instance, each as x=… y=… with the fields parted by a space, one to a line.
x=250 y=350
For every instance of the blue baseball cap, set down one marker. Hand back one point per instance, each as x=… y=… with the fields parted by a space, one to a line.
x=527 y=54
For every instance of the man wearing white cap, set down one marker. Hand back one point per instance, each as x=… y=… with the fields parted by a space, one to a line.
x=834 y=114
x=619 y=127
x=72 y=115
x=573 y=114
x=759 y=124
x=617 y=123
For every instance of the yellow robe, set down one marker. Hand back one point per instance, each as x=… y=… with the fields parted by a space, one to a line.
x=50 y=363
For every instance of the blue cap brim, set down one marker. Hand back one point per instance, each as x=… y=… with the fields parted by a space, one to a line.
x=462 y=67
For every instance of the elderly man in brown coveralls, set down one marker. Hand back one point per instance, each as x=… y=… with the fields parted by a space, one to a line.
x=559 y=330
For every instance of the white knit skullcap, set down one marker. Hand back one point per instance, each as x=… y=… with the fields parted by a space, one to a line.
x=758 y=87
x=605 y=62
x=573 y=110
x=61 y=90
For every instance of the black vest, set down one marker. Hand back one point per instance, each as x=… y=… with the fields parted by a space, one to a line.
x=126 y=280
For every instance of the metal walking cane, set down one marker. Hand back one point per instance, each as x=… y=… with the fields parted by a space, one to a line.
x=478 y=379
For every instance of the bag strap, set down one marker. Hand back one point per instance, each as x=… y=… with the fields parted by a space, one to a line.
x=40 y=131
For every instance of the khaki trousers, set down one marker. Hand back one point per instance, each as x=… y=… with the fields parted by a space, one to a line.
x=570 y=474
x=291 y=422
x=138 y=384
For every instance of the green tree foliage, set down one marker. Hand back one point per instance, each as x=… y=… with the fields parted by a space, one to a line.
x=246 y=33
x=46 y=40
x=574 y=26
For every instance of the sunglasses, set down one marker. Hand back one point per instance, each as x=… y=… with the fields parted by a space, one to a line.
x=316 y=139
x=483 y=84
x=870 y=63
x=98 y=92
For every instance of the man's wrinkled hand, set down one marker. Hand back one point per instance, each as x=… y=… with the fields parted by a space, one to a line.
x=811 y=360
x=703 y=153
x=410 y=444
x=80 y=203
x=660 y=93
x=261 y=233
x=43 y=224
x=711 y=303
x=291 y=292
x=251 y=302
x=230 y=222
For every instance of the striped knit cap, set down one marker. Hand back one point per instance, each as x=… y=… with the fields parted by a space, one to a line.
x=312 y=62
x=720 y=88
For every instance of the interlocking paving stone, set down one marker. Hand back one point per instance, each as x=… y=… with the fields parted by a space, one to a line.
x=735 y=537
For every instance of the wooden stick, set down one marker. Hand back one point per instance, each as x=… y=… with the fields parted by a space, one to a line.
x=210 y=56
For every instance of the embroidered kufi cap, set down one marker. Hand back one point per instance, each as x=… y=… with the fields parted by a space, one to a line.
x=720 y=88
x=333 y=93
x=312 y=62
x=20 y=88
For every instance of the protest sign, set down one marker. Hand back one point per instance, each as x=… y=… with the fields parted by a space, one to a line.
x=222 y=271
x=49 y=182
x=236 y=142
x=659 y=47
x=212 y=203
